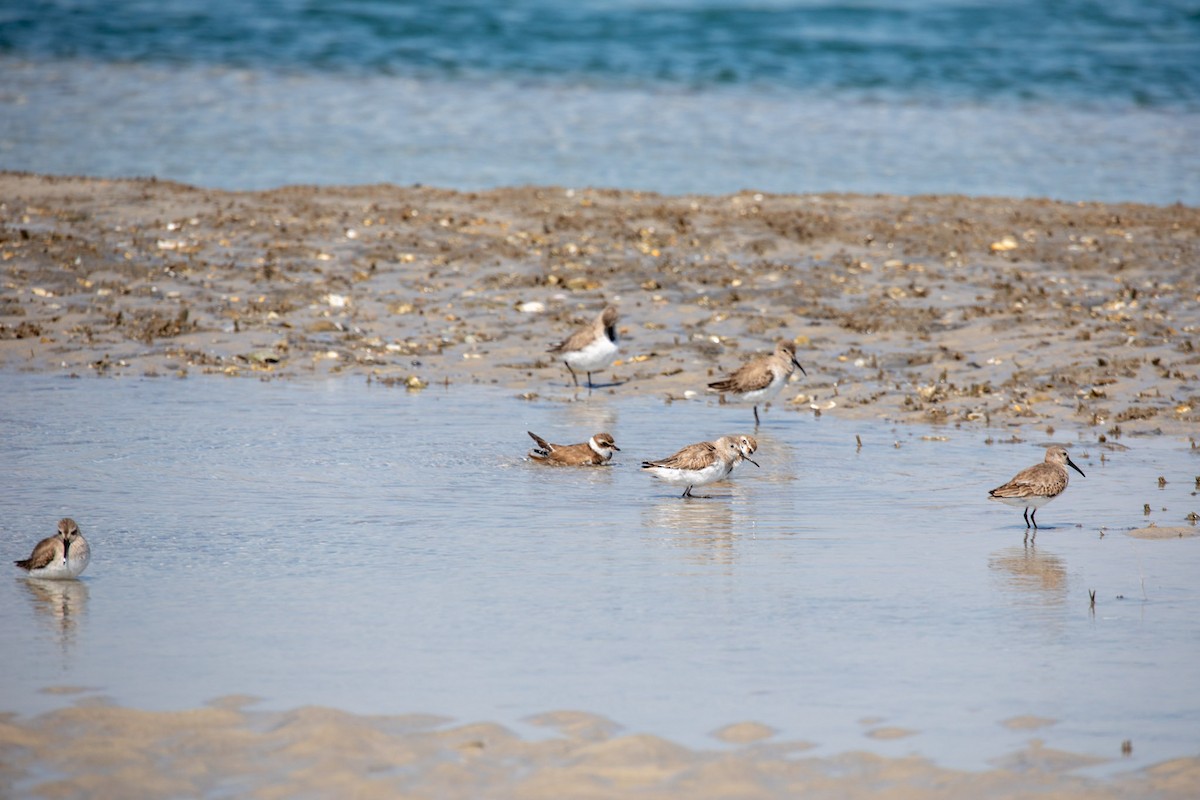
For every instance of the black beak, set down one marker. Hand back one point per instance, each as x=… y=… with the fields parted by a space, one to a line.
x=797 y=363
x=752 y=461
x=1071 y=464
x=614 y=447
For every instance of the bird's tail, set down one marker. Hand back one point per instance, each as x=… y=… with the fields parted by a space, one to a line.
x=543 y=447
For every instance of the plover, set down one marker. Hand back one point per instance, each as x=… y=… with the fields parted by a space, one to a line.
x=758 y=381
x=596 y=450
x=64 y=555
x=703 y=463
x=591 y=348
x=1032 y=488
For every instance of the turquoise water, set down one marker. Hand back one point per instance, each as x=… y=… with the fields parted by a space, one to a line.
x=381 y=551
x=1074 y=100
x=1113 y=54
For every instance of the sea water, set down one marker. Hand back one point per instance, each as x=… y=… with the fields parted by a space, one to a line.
x=1077 y=100
x=386 y=552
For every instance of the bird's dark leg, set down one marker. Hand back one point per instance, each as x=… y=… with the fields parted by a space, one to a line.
x=1026 y=519
x=1033 y=517
x=574 y=377
x=687 y=492
x=756 y=416
x=589 y=380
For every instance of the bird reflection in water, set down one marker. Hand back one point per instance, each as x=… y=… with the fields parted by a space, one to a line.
x=703 y=530
x=1025 y=569
x=59 y=604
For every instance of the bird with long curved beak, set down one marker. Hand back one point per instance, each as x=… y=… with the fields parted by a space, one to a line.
x=1035 y=486
x=760 y=380
x=703 y=463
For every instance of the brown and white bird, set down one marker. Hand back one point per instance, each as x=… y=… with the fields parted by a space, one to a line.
x=758 y=381
x=1037 y=485
x=590 y=348
x=64 y=555
x=704 y=462
x=595 y=451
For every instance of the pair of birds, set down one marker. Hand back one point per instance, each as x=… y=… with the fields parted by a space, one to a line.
x=697 y=464
x=594 y=347
x=62 y=556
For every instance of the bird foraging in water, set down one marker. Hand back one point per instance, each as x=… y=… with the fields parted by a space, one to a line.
x=590 y=348
x=64 y=555
x=704 y=462
x=1032 y=488
x=759 y=380
x=596 y=450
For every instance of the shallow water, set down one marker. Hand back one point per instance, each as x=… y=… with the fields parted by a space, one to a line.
x=1073 y=100
x=237 y=129
x=381 y=551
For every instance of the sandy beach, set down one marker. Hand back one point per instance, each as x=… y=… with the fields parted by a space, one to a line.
x=956 y=310
x=1015 y=317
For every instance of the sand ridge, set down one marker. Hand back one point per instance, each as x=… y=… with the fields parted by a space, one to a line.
x=94 y=749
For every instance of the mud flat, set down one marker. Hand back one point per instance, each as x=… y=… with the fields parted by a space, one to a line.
x=945 y=309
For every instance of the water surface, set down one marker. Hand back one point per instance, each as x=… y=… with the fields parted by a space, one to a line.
x=380 y=551
x=1074 y=100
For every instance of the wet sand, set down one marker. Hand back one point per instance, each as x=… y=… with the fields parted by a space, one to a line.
x=945 y=309
x=95 y=750
x=986 y=312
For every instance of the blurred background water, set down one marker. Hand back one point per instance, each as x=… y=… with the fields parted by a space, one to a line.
x=382 y=551
x=1075 y=99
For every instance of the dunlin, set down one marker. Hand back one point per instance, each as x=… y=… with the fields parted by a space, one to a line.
x=703 y=463
x=64 y=555
x=596 y=450
x=758 y=381
x=1032 y=488
x=590 y=348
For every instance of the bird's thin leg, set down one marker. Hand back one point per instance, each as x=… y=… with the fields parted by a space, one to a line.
x=756 y=423
x=1033 y=517
x=1026 y=519
x=589 y=380
x=574 y=377
x=687 y=492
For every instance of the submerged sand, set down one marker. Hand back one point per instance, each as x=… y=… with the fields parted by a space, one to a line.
x=955 y=310
x=95 y=750
x=944 y=309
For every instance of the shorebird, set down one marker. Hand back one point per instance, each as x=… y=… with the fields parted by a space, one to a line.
x=758 y=381
x=748 y=445
x=703 y=463
x=1037 y=485
x=64 y=555
x=596 y=450
x=590 y=348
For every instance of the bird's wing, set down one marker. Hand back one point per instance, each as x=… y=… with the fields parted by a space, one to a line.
x=694 y=456
x=43 y=554
x=748 y=378
x=1040 y=479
